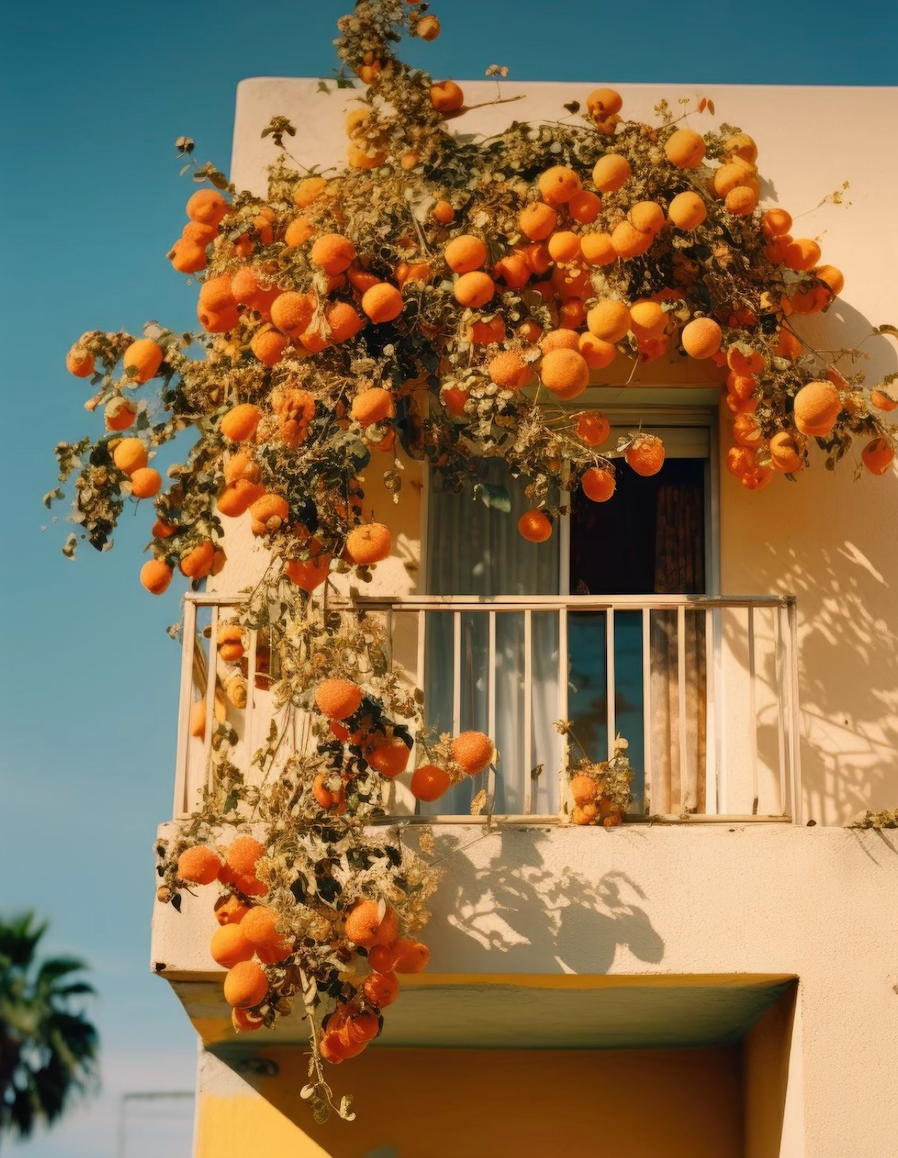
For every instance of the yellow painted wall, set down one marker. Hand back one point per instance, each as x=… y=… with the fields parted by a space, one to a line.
x=486 y=1104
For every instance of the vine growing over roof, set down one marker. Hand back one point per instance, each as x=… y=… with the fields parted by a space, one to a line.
x=445 y=299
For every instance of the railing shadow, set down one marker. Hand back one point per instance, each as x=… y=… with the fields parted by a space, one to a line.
x=514 y=912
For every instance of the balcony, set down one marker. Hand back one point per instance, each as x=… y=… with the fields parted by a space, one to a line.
x=703 y=688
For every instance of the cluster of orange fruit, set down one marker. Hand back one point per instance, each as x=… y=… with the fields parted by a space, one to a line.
x=591 y=805
x=340 y=701
x=248 y=940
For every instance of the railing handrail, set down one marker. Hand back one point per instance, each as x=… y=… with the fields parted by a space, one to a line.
x=522 y=602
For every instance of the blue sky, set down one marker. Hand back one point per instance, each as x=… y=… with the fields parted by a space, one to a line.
x=94 y=96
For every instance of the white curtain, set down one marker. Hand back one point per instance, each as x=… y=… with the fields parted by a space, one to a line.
x=475 y=549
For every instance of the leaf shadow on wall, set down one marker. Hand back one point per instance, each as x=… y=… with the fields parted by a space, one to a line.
x=514 y=912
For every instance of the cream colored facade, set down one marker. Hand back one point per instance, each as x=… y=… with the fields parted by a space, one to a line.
x=722 y=989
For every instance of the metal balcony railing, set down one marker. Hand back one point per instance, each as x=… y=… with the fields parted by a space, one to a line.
x=703 y=688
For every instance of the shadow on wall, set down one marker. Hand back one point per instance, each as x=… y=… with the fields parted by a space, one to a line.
x=830 y=540
x=511 y=912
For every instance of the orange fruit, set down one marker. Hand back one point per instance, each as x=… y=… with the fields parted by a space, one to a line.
x=563 y=246
x=338 y=699
x=381 y=989
x=309 y=573
x=628 y=241
x=592 y=427
x=389 y=756
x=291 y=312
x=298 y=232
x=743 y=146
x=510 y=371
x=382 y=303
x=645 y=454
x=801 y=254
x=216 y=294
x=701 y=338
x=741 y=386
x=454 y=400
x=687 y=211
x=143 y=356
x=647 y=216
x=560 y=339
x=558 y=185
x=565 y=373
x=741 y=459
x=646 y=319
x=472 y=751
x=269 y=513
x=572 y=314
x=585 y=206
x=187 y=256
x=238 y=496
x=513 y=270
x=365 y=927
x=214 y=322
x=734 y=175
x=741 y=201
x=831 y=277
x=685 y=149
x=443 y=212
x=446 y=96
x=746 y=431
x=410 y=956
x=79 y=362
x=199 y=865
x=882 y=401
x=372 y=405
x=333 y=253
x=130 y=455
x=268 y=346
x=259 y=927
x=244 y=1022
x=155 y=575
x=207 y=206
x=787 y=344
x=197 y=564
x=604 y=102
x=199 y=234
x=239 y=424
x=360 y=157
x=584 y=790
x=344 y=321
x=537 y=221
x=776 y=249
x=362 y=1027
x=598 y=484
x=757 y=479
x=308 y=190
x=229 y=946
x=584 y=814
x=784 y=452
x=745 y=365
x=245 y=984
x=429 y=782
x=485 y=333
x=243 y=855
x=816 y=408
x=369 y=543
x=878 y=455
x=145 y=483
x=775 y=223
x=249 y=288
x=119 y=414
x=535 y=527
x=597 y=248
x=230 y=910
x=381 y=958
x=538 y=258
x=428 y=28
x=325 y=797
x=569 y=280
x=464 y=254
x=474 y=290
x=609 y=320
x=611 y=172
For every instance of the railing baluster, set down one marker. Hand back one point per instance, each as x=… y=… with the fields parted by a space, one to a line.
x=780 y=692
x=647 y=706
x=456 y=673
x=211 y=683
x=562 y=699
x=420 y=676
x=752 y=712
x=491 y=702
x=682 y=729
x=711 y=707
x=610 y=690
x=180 y=806
x=529 y=804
